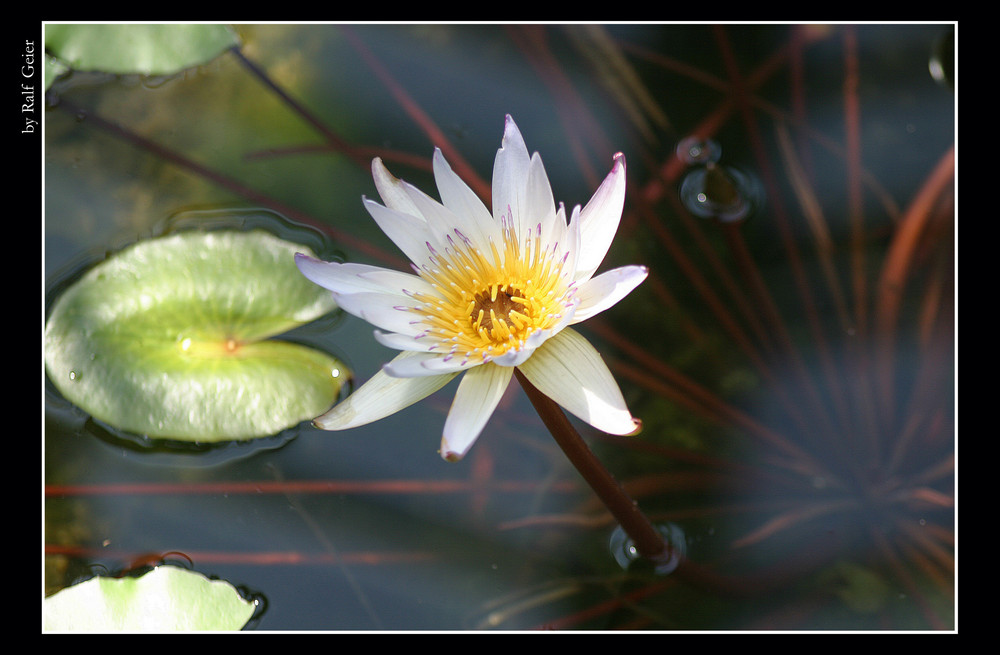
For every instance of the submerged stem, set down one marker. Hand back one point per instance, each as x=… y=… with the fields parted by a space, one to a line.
x=648 y=540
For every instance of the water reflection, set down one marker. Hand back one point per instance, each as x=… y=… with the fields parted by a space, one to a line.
x=712 y=190
x=696 y=151
x=625 y=553
x=721 y=192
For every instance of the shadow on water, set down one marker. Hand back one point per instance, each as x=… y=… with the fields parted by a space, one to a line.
x=791 y=354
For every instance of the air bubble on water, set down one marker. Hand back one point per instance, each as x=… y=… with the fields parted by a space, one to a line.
x=721 y=192
x=697 y=151
x=624 y=551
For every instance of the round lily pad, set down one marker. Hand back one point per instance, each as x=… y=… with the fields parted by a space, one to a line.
x=169 y=338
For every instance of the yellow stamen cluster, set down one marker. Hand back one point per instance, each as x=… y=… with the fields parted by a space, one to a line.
x=490 y=303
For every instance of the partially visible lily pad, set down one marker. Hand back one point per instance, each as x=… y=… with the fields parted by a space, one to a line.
x=169 y=338
x=52 y=69
x=166 y=599
x=145 y=48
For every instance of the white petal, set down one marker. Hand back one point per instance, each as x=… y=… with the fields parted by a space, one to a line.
x=451 y=363
x=554 y=233
x=569 y=370
x=514 y=357
x=572 y=241
x=510 y=178
x=536 y=339
x=398 y=341
x=538 y=196
x=379 y=397
x=599 y=219
x=396 y=281
x=410 y=367
x=391 y=190
x=448 y=229
x=387 y=311
x=598 y=293
x=429 y=363
x=473 y=219
x=409 y=232
x=478 y=393
x=359 y=278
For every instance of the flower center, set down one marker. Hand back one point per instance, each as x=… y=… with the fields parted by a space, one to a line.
x=494 y=310
x=487 y=304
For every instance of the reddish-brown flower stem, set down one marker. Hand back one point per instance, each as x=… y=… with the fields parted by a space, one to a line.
x=647 y=539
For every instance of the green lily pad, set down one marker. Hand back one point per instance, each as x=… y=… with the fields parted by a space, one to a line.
x=52 y=69
x=144 y=49
x=166 y=338
x=166 y=599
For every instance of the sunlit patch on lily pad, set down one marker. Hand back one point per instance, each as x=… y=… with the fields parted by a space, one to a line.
x=166 y=599
x=170 y=338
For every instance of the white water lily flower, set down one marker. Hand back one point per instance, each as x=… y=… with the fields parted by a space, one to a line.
x=490 y=292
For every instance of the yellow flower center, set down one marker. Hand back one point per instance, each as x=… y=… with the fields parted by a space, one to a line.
x=487 y=304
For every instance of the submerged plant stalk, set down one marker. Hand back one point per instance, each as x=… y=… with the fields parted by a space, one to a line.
x=648 y=540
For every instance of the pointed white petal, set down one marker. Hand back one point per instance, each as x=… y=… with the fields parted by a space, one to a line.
x=599 y=219
x=513 y=358
x=396 y=281
x=359 y=278
x=410 y=367
x=553 y=235
x=572 y=241
x=473 y=219
x=598 y=293
x=570 y=371
x=429 y=363
x=387 y=311
x=536 y=339
x=478 y=394
x=409 y=232
x=510 y=178
x=391 y=189
x=449 y=230
x=326 y=274
x=405 y=342
x=538 y=196
x=379 y=397
x=452 y=363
